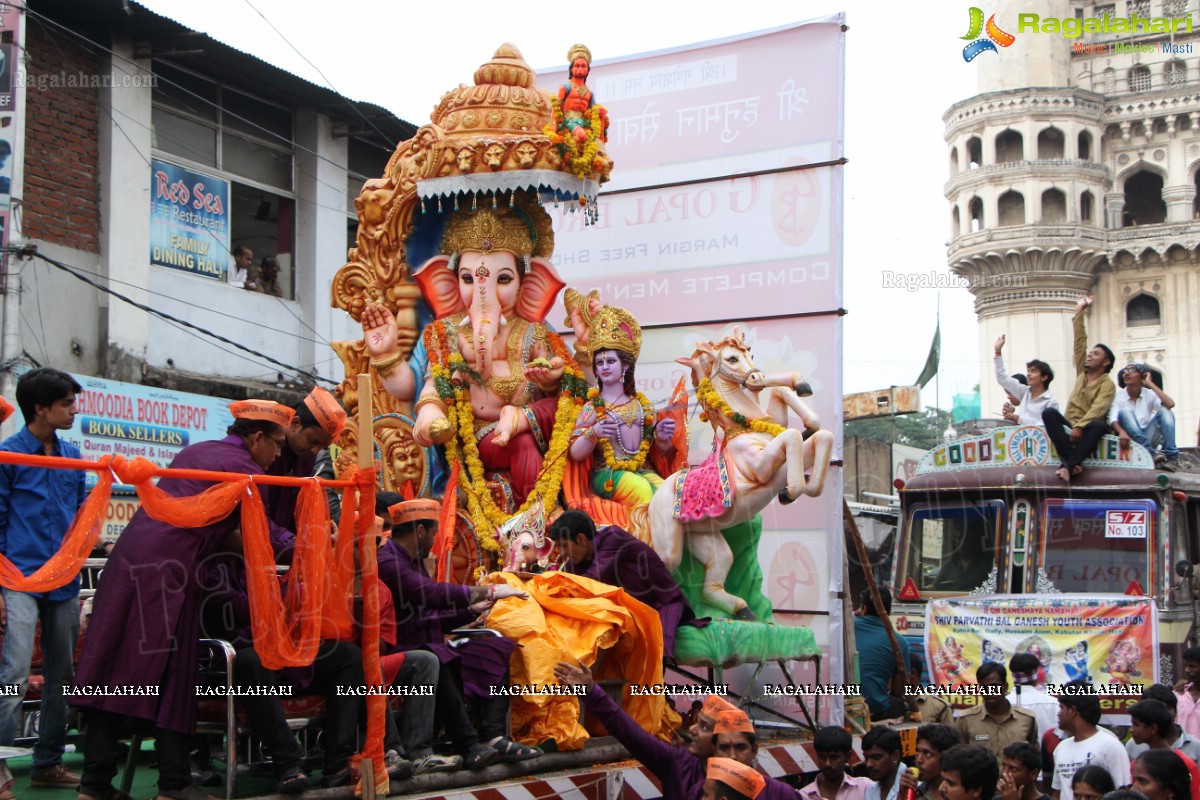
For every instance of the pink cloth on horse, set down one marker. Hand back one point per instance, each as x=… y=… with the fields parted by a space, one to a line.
x=705 y=491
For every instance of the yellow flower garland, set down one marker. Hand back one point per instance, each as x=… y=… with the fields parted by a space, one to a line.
x=709 y=398
x=581 y=161
x=484 y=512
x=639 y=459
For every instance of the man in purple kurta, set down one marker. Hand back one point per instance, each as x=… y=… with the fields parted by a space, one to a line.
x=425 y=612
x=680 y=770
x=319 y=420
x=615 y=557
x=146 y=621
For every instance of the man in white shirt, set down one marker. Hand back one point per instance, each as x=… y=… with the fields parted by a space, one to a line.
x=1141 y=411
x=1079 y=714
x=1026 y=669
x=243 y=260
x=1032 y=399
x=881 y=749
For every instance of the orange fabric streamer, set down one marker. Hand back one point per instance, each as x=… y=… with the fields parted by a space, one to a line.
x=372 y=672
x=287 y=631
x=443 y=545
x=338 y=623
x=77 y=543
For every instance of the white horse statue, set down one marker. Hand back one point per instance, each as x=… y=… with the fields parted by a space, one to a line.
x=756 y=458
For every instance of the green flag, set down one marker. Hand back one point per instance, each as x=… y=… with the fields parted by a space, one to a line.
x=931 y=363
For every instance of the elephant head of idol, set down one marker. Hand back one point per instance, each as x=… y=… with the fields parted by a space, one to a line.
x=494 y=266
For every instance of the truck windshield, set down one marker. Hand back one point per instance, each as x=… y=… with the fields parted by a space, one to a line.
x=1097 y=545
x=952 y=548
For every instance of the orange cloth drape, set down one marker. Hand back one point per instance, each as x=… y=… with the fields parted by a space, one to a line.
x=78 y=541
x=372 y=673
x=572 y=619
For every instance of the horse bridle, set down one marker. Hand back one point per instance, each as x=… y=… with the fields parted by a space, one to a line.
x=733 y=376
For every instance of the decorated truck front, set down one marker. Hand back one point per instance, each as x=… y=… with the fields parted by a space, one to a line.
x=986 y=517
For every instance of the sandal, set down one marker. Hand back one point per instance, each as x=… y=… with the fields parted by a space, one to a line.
x=293 y=781
x=511 y=751
x=480 y=756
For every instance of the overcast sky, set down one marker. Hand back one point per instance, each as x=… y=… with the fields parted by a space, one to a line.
x=902 y=73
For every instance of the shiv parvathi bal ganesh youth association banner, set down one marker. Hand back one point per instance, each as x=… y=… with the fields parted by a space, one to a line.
x=1110 y=640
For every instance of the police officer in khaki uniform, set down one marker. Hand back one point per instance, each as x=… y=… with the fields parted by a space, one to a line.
x=925 y=708
x=997 y=723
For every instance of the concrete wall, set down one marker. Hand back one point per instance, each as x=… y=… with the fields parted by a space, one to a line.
x=868 y=468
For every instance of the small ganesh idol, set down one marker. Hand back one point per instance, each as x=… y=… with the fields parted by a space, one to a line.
x=618 y=427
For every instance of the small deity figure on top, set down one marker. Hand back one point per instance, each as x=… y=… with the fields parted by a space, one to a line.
x=575 y=96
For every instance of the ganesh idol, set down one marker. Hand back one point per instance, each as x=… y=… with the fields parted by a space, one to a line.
x=451 y=279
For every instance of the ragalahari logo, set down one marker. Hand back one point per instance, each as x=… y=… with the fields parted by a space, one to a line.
x=995 y=36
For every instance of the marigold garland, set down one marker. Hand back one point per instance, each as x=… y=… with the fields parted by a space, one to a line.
x=712 y=401
x=453 y=388
x=636 y=463
x=581 y=160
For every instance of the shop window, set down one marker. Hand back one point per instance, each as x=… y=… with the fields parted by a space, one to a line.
x=210 y=128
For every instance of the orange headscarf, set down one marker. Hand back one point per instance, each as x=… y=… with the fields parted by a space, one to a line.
x=266 y=410
x=328 y=411
x=737 y=776
x=733 y=722
x=715 y=704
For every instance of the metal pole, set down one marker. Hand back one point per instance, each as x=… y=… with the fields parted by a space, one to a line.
x=11 y=346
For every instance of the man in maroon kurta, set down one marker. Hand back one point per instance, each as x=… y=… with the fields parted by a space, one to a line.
x=425 y=612
x=146 y=620
x=612 y=556
x=318 y=421
x=680 y=770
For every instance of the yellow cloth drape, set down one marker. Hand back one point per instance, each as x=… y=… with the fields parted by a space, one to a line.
x=572 y=618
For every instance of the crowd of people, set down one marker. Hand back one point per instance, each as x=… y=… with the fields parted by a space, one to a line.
x=1136 y=409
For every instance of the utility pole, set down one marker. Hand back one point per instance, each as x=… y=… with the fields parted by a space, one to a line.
x=11 y=347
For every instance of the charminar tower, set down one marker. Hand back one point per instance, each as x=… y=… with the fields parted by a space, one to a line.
x=1075 y=169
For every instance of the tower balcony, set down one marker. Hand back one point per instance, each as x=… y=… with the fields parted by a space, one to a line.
x=1054 y=170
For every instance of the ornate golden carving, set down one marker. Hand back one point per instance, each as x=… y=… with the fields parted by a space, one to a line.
x=503 y=111
x=615 y=329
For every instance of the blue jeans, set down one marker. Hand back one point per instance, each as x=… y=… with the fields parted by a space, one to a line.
x=1160 y=427
x=60 y=630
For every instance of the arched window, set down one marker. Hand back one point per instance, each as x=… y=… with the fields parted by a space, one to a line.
x=1010 y=146
x=975 y=208
x=1139 y=78
x=953 y=161
x=1085 y=146
x=955 y=230
x=1011 y=208
x=1051 y=144
x=974 y=152
x=1054 y=207
x=1175 y=73
x=1086 y=208
x=1142 y=309
x=1110 y=81
x=1144 y=203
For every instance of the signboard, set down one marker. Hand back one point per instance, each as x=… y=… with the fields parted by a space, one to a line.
x=134 y=421
x=189 y=221
x=1027 y=445
x=1109 y=640
x=726 y=203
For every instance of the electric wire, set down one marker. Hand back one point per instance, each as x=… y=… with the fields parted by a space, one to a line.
x=306 y=59
x=163 y=315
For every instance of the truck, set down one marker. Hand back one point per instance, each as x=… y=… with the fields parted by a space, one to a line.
x=985 y=515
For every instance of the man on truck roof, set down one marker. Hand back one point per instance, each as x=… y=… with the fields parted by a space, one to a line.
x=1087 y=408
x=1033 y=396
